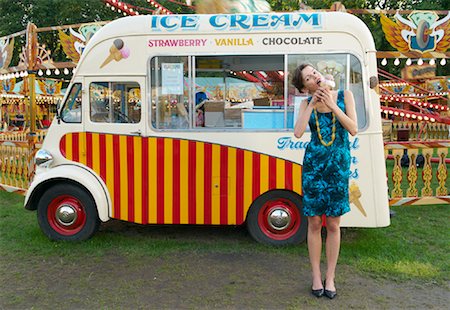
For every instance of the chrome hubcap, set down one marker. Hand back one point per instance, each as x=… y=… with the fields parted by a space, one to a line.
x=279 y=219
x=66 y=215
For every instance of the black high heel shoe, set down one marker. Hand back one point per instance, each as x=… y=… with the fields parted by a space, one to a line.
x=328 y=293
x=318 y=293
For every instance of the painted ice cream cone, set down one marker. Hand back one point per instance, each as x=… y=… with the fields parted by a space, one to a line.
x=354 y=196
x=117 y=52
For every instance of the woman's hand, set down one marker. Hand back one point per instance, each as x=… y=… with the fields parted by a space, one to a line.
x=325 y=95
x=314 y=100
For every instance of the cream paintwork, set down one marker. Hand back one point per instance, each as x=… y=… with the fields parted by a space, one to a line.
x=340 y=32
x=79 y=174
x=63 y=168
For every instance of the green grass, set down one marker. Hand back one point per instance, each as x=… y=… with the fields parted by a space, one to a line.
x=415 y=246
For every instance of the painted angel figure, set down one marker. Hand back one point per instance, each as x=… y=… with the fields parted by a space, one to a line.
x=422 y=32
x=74 y=43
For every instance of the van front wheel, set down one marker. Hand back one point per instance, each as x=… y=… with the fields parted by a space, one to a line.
x=67 y=212
x=275 y=218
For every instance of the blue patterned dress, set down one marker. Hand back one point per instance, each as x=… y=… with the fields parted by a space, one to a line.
x=326 y=169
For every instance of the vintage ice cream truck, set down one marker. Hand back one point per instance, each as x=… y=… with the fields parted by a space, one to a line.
x=188 y=119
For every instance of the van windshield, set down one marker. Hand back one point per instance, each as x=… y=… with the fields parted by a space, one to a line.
x=71 y=110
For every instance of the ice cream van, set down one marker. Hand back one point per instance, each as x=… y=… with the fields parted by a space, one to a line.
x=188 y=119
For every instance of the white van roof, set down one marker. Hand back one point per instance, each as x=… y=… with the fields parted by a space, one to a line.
x=139 y=32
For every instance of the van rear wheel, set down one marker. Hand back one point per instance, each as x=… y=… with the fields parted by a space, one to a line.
x=67 y=212
x=275 y=218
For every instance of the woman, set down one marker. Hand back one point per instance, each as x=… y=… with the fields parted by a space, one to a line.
x=326 y=168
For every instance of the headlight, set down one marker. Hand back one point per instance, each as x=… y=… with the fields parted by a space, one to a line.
x=43 y=158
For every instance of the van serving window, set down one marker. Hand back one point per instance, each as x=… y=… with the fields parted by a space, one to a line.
x=223 y=92
x=246 y=92
x=115 y=102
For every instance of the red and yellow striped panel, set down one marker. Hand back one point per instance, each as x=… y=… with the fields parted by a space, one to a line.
x=173 y=181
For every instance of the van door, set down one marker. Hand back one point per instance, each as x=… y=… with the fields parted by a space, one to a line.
x=115 y=105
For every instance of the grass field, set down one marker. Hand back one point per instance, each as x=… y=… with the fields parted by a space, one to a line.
x=415 y=246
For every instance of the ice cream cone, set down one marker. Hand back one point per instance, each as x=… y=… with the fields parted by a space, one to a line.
x=328 y=84
x=114 y=54
x=354 y=196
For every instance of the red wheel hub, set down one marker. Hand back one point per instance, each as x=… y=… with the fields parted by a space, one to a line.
x=66 y=215
x=279 y=219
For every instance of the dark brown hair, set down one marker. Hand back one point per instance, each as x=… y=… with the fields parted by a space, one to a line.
x=297 y=79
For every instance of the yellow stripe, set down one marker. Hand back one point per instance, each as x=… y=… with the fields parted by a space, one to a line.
x=82 y=148
x=168 y=181
x=123 y=178
x=69 y=154
x=152 y=184
x=264 y=173
x=184 y=181
x=200 y=183
x=231 y=186
x=96 y=152
x=215 y=186
x=110 y=171
x=280 y=173
x=137 y=148
x=248 y=180
x=297 y=178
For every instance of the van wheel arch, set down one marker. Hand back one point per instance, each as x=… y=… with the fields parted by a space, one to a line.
x=44 y=186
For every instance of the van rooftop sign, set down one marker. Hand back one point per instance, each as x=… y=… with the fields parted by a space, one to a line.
x=236 y=22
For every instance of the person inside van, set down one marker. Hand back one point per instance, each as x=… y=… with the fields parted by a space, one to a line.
x=200 y=98
x=331 y=116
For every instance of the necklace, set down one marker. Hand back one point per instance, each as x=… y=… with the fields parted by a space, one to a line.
x=333 y=130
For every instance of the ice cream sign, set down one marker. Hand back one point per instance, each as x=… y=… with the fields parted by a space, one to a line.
x=236 y=22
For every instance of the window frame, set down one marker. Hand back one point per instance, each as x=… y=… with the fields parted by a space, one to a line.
x=110 y=83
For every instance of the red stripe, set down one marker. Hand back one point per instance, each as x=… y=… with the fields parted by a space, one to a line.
x=130 y=166
x=223 y=185
x=191 y=182
x=239 y=186
x=256 y=175
x=145 y=180
x=102 y=149
x=272 y=173
x=75 y=147
x=62 y=146
x=288 y=182
x=176 y=181
x=160 y=182
x=208 y=183
x=116 y=163
x=89 y=149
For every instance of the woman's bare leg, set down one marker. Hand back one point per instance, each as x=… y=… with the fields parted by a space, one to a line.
x=315 y=249
x=332 y=246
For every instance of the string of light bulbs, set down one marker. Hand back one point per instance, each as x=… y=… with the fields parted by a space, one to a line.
x=409 y=62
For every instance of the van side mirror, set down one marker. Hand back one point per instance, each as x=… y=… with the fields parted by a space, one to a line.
x=373 y=82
